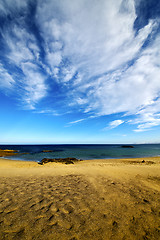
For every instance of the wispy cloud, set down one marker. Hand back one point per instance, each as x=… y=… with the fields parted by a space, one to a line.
x=76 y=121
x=49 y=112
x=34 y=84
x=6 y=80
x=86 y=54
x=147 y=118
x=23 y=55
x=114 y=124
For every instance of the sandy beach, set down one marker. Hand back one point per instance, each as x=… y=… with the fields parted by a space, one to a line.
x=93 y=199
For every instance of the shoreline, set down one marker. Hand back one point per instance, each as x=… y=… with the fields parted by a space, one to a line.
x=93 y=159
x=111 y=151
x=93 y=199
x=90 y=159
x=11 y=168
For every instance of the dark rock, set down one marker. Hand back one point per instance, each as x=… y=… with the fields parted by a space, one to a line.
x=127 y=146
x=143 y=161
x=113 y=183
x=115 y=224
x=59 y=160
x=150 y=162
x=46 y=151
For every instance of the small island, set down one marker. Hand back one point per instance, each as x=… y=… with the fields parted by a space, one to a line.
x=127 y=146
x=46 y=151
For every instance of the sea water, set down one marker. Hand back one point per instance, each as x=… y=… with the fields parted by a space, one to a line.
x=82 y=151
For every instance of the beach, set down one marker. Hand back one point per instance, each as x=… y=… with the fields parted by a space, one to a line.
x=93 y=199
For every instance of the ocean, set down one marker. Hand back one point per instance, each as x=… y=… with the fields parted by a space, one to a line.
x=82 y=151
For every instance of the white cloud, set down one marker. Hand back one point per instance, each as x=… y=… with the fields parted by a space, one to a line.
x=88 y=32
x=115 y=123
x=24 y=52
x=101 y=40
x=76 y=121
x=54 y=59
x=68 y=73
x=21 y=44
x=6 y=80
x=131 y=89
x=49 y=112
x=7 y=6
x=92 y=50
x=34 y=86
x=148 y=117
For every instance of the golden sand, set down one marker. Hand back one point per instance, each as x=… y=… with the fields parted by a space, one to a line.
x=97 y=199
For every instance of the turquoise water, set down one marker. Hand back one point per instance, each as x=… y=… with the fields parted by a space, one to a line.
x=82 y=151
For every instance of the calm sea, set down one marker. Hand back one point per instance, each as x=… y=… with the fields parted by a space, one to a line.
x=82 y=151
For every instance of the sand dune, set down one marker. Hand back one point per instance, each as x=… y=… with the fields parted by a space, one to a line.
x=103 y=199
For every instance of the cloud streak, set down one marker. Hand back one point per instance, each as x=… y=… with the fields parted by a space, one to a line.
x=87 y=55
x=76 y=121
x=6 y=80
x=114 y=124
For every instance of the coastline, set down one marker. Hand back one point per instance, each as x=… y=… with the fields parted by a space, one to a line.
x=93 y=199
x=80 y=151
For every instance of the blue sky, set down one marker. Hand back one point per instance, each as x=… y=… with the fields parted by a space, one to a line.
x=83 y=71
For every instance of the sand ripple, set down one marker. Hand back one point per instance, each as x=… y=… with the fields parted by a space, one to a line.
x=79 y=207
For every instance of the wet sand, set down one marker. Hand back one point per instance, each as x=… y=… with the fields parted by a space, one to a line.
x=96 y=199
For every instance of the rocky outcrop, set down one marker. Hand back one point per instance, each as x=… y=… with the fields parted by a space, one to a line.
x=7 y=152
x=59 y=160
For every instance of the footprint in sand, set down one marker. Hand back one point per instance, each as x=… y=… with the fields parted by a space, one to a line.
x=54 y=208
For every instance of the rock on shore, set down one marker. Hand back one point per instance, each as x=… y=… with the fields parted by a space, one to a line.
x=59 y=160
x=7 y=152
